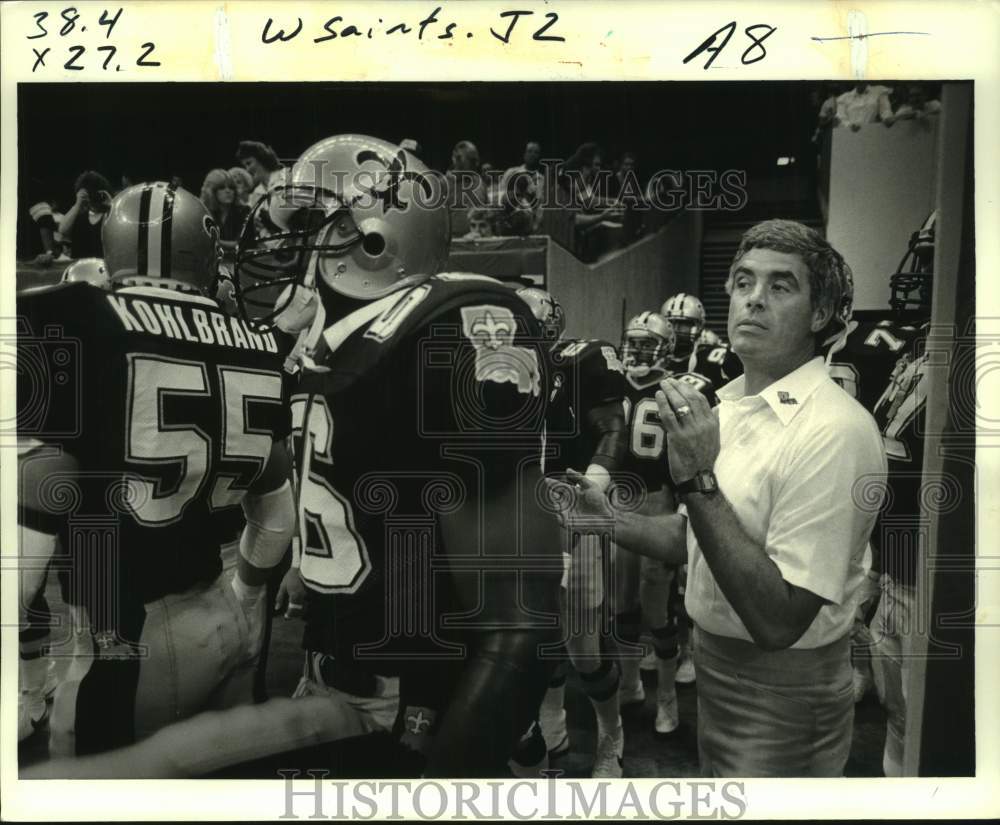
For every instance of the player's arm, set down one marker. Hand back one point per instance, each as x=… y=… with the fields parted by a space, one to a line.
x=270 y=515
x=607 y=425
x=503 y=674
x=512 y=594
x=38 y=525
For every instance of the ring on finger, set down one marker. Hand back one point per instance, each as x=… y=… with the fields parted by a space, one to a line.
x=683 y=411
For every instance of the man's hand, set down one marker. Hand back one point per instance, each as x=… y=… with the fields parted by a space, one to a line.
x=692 y=429
x=292 y=591
x=582 y=503
x=82 y=198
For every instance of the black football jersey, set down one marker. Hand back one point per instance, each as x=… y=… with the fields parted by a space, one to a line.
x=429 y=396
x=170 y=408
x=869 y=355
x=647 y=446
x=585 y=374
x=718 y=365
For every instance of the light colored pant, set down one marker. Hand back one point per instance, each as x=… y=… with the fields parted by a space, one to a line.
x=375 y=713
x=786 y=713
x=200 y=653
x=892 y=629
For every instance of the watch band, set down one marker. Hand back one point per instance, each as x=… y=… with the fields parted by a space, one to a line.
x=702 y=482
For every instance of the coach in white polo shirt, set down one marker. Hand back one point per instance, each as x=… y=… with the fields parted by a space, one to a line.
x=779 y=487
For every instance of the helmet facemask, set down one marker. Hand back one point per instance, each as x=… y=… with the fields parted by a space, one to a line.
x=283 y=238
x=643 y=352
x=910 y=287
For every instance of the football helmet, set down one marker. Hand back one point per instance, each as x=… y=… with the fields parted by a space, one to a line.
x=361 y=216
x=155 y=235
x=546 y=309
x=687 y=316
x=709 y=339
x=910 y=286
x=648 y=341
x=90 y=270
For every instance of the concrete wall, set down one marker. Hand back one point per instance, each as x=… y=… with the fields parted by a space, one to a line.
x=882 y=187
x=641 y=275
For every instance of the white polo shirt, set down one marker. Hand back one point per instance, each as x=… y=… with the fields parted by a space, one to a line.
x=803 y=467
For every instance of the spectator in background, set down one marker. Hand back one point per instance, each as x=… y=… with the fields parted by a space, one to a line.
x=916 y=107
x=243 y=182
x=827 y=119
x=218 y=193
x=625 y=181
x=463 y=180
x=491 y=178
x=865 y=103
x=47 y=218
x=527 y=176
x=262 y=163
x=580 y=178
x=480 y=224
x=176 y=182
x=81 y=225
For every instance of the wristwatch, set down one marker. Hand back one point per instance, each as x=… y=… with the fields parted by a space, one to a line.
x=704 y=481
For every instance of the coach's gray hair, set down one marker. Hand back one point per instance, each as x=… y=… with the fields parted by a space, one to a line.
x=831 y=282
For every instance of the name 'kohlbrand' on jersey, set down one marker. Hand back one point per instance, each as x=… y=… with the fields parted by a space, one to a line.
x=170 y=409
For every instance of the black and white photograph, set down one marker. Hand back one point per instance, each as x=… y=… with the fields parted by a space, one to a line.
x=480 y=431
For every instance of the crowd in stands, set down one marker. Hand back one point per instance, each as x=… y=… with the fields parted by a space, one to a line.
x=586 y=203
x=855 y=106
x=486 y=200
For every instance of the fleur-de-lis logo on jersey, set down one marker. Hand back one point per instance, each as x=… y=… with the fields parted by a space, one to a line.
x=492 y=331
x=417 y=723
x=387 y=188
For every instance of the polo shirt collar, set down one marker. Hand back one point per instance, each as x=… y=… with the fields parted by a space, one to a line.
x=786 y=395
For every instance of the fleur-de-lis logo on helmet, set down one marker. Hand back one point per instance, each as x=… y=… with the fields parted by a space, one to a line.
x=387 y=192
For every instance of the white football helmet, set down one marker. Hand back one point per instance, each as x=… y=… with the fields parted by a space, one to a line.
x=155 y=235
x=90 y=270
x=687 y=316
x=360 y=215
x=648 y=341
x=709 y=339
x=546 y=309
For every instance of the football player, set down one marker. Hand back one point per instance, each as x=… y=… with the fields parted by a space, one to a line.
x=696 y=353
x=151 y=414
x=586 y=427
x=418 y=420
x=866 y=364
x=647 y=345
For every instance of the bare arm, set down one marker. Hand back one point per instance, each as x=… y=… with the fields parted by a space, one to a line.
x=775 y=612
